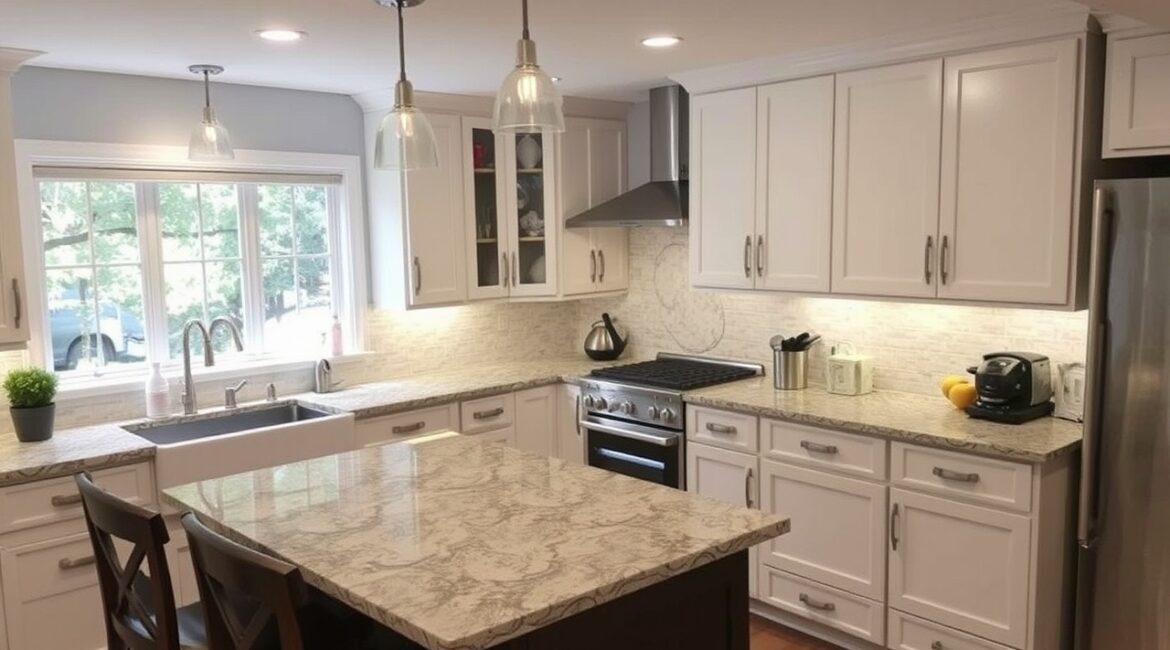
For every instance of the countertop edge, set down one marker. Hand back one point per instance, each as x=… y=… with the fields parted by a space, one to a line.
x=49 y=471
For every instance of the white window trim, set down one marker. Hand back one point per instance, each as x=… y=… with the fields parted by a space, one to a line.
x=349 y=239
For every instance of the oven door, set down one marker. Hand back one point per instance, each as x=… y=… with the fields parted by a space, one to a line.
x=636 y=450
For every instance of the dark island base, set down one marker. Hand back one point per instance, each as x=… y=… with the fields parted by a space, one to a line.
x=704 y=609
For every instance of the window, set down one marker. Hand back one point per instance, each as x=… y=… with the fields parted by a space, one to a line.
x=128 y=262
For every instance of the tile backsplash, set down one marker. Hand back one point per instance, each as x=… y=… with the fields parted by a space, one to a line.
x=913 y=345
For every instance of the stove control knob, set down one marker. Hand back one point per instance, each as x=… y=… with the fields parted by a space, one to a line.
x=627 y=408
x=588 y=401
x=667 y=415
x=652 y=412
x=599 y=402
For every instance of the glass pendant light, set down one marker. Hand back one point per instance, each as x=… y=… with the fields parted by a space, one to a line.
x=209 y=140
x=405 y=138
x=528 y=102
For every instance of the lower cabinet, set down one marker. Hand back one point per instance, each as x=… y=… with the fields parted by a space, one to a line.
x=907 y=632
x=536 y=420
x=728 y=476
x=852 y=614
x=505 y=436
x=570 y=437
x=960 y=565
x=51 y=595
x=404 y=426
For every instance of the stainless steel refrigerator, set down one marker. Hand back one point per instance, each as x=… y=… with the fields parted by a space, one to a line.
x=1123 y=594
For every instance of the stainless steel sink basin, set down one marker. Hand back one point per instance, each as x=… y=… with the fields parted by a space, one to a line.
x=224 y=423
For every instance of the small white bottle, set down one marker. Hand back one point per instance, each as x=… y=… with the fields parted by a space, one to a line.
x=158 y=393
x=335 y=342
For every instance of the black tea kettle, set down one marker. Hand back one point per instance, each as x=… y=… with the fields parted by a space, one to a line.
x=604 y=343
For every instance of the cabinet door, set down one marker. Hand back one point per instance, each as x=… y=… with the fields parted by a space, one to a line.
x=570 y=439
x=607 y=179
x=841 y=539
x=1009 y=137
x=13 y=295
x=730 y=477
x=794 y=186
x=484 y=183
x=530 y=200
x=960 y=565
x=536 y=420
x=404 y=426
x=578 y=256
x=885 y=180
x=51 y=596
x=434 y=224
x=1137 y=96
x=723 y=188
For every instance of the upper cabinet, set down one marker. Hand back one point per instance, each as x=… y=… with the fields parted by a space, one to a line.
x=885 y=184
x=1137 y=96
x=13 y=314
x=433 y=199
x=592 y=171
x=959 y=178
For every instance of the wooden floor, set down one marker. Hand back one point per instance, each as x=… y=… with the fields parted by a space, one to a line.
x=767 y=635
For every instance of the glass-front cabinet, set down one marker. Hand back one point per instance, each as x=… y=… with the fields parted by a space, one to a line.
x=509 y=200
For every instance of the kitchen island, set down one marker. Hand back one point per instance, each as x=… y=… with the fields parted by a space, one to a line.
x=456 y=544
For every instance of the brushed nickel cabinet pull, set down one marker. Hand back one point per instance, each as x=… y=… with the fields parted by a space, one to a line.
x=747 y=256
x=760 y=256
x=720 y=428
x=747 y=487
x=894 y=527
x=926 y=259
x=16 y=302
x=942 y=263
x=417 y=276
x=818 y=447
x=515 y=270
x=409 y=428
x=504 y=267
x=816 y=604
x=601 y=273
x=483 y=415
x=593 y=266
x=65 y=500
x=951 y=475
x=66 y=563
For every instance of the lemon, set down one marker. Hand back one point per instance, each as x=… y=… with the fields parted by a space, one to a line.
x=949 y=382
x=962 y=395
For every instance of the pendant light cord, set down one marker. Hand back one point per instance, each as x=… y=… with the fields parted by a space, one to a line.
x=401 y=45
x=524 y=10
x=206 y=89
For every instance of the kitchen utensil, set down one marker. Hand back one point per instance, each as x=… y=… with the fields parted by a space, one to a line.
x=1070 y=391
x=848 y=373
x=604 y=342
x=1012 y=387
x=802 y=341
x=789 y=365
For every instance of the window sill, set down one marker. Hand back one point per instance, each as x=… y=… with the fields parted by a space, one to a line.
x=73 y=388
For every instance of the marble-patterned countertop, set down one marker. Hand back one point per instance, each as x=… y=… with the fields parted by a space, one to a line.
x=458 y=384
x=70 y=451
x=457 y=544
x=920 y=419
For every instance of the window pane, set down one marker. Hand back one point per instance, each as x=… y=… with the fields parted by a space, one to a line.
x=121 y=320
x=179 y=214
x=280 y=296
x=275 y=211
x=313 y=288
x=72 y=325
x=64 y=206
x=221 y=221
x=224 y=298
x=115 y=222
x=287 y=326
x=93 y=324
x=311 y=219
x=184 y=300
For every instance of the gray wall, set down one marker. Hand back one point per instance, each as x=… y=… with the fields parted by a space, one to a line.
x=52 y=104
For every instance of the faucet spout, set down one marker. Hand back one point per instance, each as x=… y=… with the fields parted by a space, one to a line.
x=237 y=338
x=189 y=405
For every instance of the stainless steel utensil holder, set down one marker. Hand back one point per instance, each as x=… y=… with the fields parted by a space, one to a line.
x=789 y=369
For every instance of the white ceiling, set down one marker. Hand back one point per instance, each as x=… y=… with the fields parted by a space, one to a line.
x=458 y=46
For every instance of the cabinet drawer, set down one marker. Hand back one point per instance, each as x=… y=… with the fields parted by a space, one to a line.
x=45 y=502
x=816 y=447
x=734 y=431
x=488 y=413
x=505 y=436
x=403 y=426
x=911 y=633
x=996 y=482
x=851 y=614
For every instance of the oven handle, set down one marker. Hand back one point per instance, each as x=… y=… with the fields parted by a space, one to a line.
x=628 y=431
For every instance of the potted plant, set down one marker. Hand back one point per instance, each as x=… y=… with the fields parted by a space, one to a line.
x=30 y=400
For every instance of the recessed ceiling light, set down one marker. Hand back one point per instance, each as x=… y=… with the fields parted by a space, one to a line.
x=661 y=41
x=280 y=35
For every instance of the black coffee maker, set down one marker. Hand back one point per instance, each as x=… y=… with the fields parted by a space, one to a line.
x=1012 y=387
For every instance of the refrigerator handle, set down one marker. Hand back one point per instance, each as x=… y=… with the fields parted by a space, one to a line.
x=1094 y=377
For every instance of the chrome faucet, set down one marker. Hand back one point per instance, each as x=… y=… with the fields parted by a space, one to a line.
x=190 y=407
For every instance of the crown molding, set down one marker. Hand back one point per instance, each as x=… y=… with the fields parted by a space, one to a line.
x=1057 y=18
x=382 y=99
x=12 y=58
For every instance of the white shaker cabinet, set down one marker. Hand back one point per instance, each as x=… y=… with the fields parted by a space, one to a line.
x=536 y=420
x=723 y=189
x=592 y=171
x=13 y=299
x=1008 y=174
x=886 y=180
x=794 y=185
x=727 y=476
x=960 y=565
x=1137 y=95
x=570 y=438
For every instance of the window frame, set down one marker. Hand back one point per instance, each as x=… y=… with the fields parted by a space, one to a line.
x=346 y=238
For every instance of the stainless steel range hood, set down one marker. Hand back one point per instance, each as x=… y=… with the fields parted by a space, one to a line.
x=662 y=201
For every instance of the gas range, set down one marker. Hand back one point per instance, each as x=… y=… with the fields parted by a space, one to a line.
x=634 y=418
